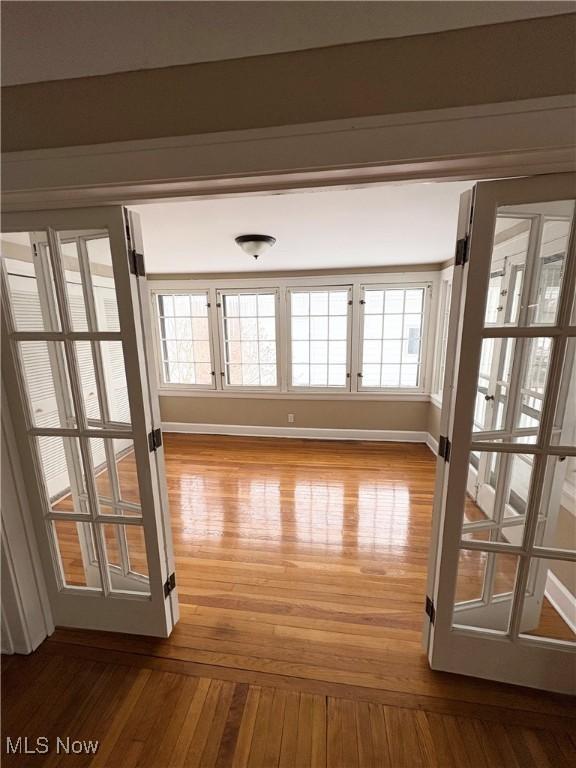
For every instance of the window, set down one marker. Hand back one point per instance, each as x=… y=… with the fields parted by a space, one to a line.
x=248 y=323
x=443 y=320
x=185 y=339
x=391 y=337
x=319 y=337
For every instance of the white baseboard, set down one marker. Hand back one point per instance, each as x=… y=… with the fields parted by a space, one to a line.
x=562 y=599
x=432 y=443
x=379 y=435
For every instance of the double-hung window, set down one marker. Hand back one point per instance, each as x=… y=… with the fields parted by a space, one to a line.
x=184 y=339
x=319 y=351
x=249 y=350
x=392 y=324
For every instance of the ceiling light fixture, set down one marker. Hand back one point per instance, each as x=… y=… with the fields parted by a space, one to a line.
x=254 y=245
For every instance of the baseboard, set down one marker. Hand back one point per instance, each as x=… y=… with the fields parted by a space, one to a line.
x=562 y=600
x=432 y=443
x=378 y=435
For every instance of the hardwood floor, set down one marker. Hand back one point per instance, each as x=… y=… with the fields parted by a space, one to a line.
x=301 y=569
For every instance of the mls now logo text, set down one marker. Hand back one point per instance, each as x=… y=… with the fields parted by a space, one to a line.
x=23 y=745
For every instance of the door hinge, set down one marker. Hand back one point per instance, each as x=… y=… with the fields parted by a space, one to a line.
x=430 y=610
x=155 y=439
x=170 y=584
x=444 y=447
x=137 y=263
x=462 y=248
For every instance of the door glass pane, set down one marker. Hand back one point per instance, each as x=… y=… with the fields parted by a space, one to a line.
x=484 y=589
x=126 y=558
x=497 y=497
x=46 y=382
x=30 y=281
x=556 y=527
x=63 y=473
x=564 y=429
x=89 y=280
x=114 y=467
x=527 y=265
x=103 y=385
x=512 y=380
x=76 y=554
x=548 y=608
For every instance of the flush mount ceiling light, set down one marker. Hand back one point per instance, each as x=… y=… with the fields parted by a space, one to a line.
x=254 y=245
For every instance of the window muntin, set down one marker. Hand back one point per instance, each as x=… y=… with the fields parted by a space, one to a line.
x=319 y=321
x=249 y=350
x=184 y=329
x=392 y=327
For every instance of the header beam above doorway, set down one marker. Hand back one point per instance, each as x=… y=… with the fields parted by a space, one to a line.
x=489 y=141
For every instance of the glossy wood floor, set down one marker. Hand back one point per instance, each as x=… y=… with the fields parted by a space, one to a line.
x=301 y=569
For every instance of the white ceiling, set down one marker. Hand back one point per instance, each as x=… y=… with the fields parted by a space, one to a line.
x=56 y=40
x=367 y=227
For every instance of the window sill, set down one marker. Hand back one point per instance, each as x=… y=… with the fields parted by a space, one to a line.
x=397 y=395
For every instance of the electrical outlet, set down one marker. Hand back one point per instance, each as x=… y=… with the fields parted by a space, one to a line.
x=290 y=418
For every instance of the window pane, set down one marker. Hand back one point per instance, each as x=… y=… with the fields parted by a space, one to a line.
x=319 y=333
x=556 y=528
x=26 y=257
x=249 y=328
x=115 y=473
x=392 y=333
x=185 y=339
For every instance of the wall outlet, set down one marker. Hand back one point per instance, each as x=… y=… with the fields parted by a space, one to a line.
x=290 y=418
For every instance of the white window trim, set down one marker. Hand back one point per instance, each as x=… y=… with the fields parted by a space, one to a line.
x=425 y=337
x=354 y=282
x=221 y=375
x=445 y=276
x=157 y=342
x=349 y=338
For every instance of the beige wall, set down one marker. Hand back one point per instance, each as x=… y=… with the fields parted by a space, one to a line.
x=433 y=424
x=322 y=414
x=566 y=538
x=482 y=65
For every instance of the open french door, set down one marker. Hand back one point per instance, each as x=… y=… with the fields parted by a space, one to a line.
x=79 y=378
x=502 y=581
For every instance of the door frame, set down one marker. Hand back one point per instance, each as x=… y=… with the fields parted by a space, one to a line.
x=511 y=139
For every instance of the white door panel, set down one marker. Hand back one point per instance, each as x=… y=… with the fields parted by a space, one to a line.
x=72 y=313
x=510 y=424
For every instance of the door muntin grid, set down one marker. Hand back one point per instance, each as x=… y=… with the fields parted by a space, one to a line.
x=76 y=424
x=513 y=533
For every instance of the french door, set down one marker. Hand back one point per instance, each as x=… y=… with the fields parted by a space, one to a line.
x=502 y=584
x=78 y=374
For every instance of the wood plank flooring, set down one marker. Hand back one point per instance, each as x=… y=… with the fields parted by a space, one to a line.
x=158 y=719
x=301 y=569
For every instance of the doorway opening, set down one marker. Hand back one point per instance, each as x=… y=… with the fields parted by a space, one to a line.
x=306 y=556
